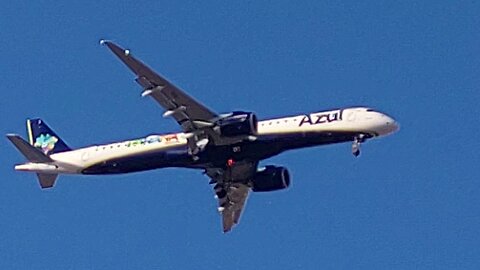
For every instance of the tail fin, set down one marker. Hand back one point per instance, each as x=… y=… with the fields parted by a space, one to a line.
x=36 y=156
x=43 y=137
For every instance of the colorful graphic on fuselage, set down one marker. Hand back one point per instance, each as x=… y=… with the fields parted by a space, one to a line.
x=153 y=139
x=143 y=141
x=46 y=142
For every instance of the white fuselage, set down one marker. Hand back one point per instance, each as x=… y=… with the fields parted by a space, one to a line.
x=359 y=120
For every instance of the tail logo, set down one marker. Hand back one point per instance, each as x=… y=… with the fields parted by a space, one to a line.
x=46 y=142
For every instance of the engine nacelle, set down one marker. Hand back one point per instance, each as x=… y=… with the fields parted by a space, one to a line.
x=270 y=179
x=238 y=124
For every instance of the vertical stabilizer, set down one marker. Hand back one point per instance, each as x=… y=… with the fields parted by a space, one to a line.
x=44 y=138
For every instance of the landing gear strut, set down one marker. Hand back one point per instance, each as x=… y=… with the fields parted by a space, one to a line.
x=195 y=146
x=356 y=144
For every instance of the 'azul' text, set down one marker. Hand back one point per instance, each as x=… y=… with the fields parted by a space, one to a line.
x=321 y=118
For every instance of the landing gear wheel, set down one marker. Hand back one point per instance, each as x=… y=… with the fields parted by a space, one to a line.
x=356 y=144
x=356 y=149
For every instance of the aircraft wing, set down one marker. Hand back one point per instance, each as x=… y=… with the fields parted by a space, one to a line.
x=232 y=186
x=188 y=112
x=232 y=205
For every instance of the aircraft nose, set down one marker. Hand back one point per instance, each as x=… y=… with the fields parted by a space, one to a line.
x=390 y=124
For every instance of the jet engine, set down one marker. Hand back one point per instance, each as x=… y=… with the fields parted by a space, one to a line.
x=238 y=124
x=270 y=179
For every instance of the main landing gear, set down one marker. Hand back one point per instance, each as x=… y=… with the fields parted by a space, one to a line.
x=195 y=146
x=360 y=138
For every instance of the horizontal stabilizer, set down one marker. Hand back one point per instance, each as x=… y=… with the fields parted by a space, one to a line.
x=47 y=180
x=30 y=152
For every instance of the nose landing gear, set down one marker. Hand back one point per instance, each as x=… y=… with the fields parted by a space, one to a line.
x=360 y=138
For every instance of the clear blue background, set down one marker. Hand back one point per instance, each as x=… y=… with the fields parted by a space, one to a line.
x=411 y=201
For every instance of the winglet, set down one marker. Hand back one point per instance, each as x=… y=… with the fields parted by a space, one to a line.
x=115 y=48
x=135 y=65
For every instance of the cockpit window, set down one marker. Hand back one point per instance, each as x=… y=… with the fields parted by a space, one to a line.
x=372 y=110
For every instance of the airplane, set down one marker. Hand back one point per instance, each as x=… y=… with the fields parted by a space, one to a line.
x=227 y=147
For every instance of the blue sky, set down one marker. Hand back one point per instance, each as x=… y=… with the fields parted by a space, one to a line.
x=409 y=201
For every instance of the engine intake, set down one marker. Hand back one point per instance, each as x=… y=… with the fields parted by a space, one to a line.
x=238 y=124
x=270 y=179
